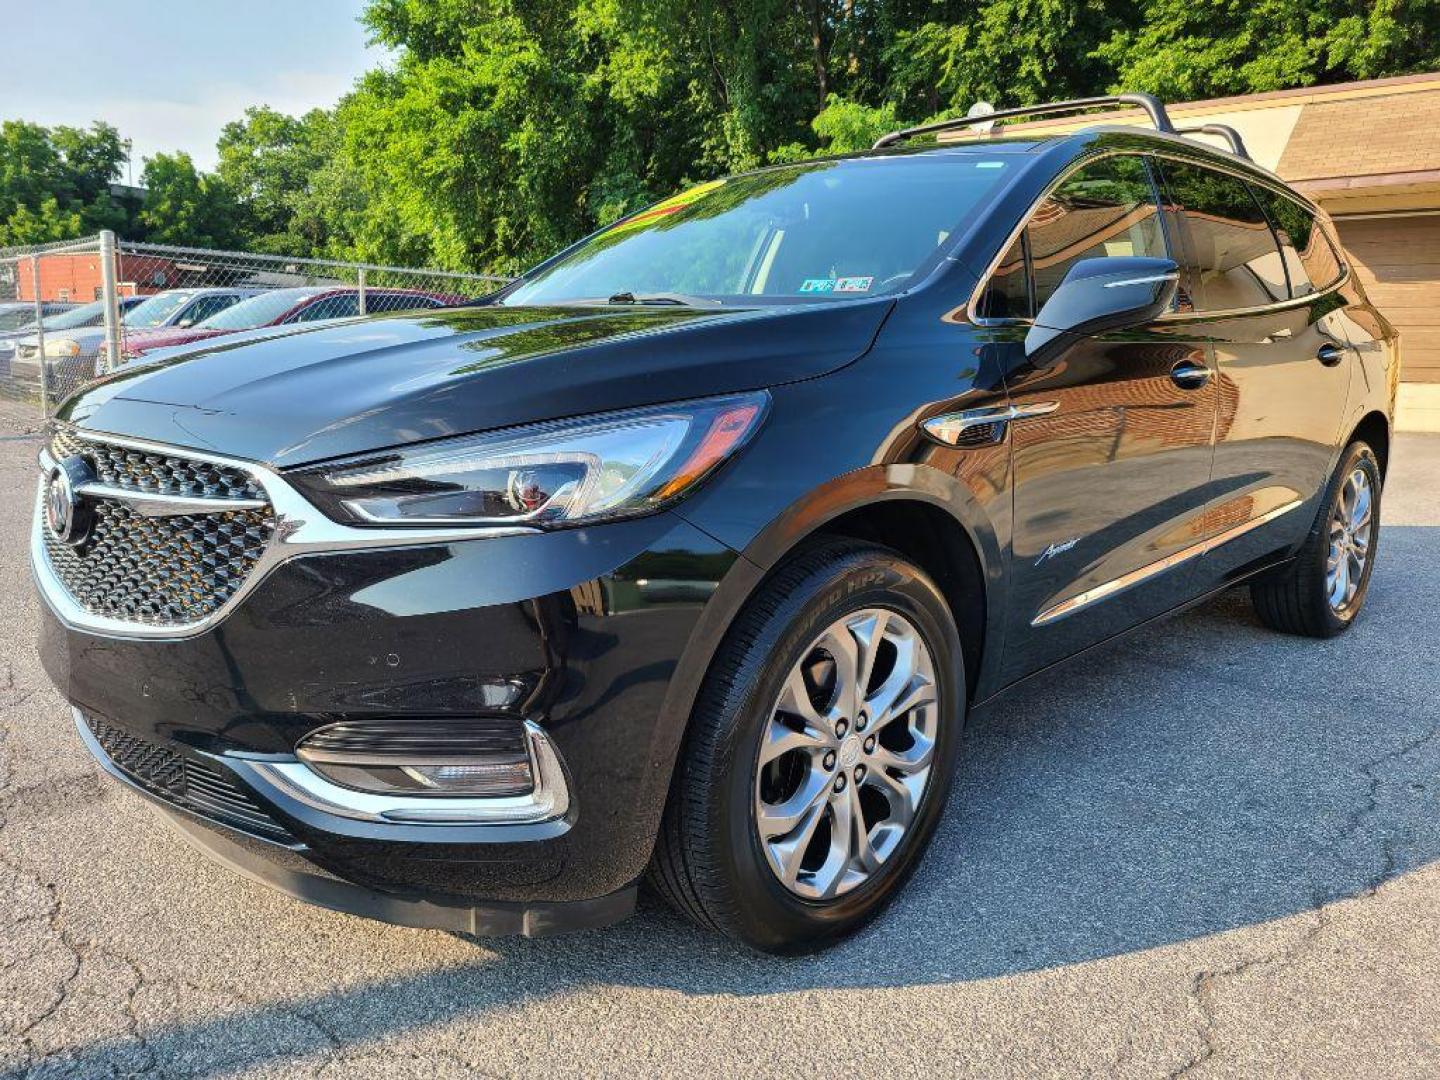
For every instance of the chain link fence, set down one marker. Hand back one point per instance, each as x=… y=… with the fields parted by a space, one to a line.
x=73 y=311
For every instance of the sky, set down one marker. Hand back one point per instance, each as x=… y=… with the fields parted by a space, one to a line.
x=169 y=74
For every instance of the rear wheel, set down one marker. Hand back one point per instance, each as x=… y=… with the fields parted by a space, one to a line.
x=1323 y=590
x=820 y=752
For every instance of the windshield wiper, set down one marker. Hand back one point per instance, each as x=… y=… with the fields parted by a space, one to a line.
x=682 y=299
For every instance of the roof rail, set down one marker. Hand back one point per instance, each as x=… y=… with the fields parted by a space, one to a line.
x=1151 y=104
x=1226 y=132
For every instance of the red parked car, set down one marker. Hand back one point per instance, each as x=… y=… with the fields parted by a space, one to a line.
x=280 y=307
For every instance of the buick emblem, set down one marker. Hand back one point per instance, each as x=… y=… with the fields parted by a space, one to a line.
x=68 y=515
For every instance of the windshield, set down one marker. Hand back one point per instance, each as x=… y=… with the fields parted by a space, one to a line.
x=259 y=310
x=84 y=315
x=14 y=316
x=824 y=230
x=156 y=310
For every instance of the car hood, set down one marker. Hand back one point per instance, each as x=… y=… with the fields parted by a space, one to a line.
x=11 y=338
x=86 y=336
x=144 y=340
x=365 y=384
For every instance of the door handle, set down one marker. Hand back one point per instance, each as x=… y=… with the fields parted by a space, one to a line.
x=1330 y=354
x=1189 y=375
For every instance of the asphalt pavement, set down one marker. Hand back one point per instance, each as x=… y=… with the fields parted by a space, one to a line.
x=1208 y=850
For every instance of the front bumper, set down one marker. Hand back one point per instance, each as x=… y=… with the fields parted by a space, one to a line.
x=283 y=864
x=563 y=630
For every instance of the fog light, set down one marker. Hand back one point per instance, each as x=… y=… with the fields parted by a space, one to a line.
x=483 y=757
x=513 y=777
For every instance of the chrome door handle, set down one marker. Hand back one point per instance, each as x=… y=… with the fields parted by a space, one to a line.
x=1330 y=354
x=1189 y=375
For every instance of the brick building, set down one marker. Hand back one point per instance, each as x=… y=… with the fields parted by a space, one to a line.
x=76 y=276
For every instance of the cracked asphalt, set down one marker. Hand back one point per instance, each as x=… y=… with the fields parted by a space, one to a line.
x=1208 y=850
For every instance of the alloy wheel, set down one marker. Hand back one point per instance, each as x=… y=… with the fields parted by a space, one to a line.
x=846 y=754
x=1352 y=528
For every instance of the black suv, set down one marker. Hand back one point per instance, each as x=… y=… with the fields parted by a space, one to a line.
x=688 y=552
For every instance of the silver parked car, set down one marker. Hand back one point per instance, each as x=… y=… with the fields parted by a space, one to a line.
x=17 y=320
x=25 y=359
x=77 y=354
x=20 y=314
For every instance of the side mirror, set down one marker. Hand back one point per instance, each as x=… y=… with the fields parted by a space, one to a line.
x=185 y=324
x=1109 y=293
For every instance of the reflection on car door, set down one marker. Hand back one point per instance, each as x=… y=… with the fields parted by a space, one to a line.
x=1264 y=273
x=1108 y=483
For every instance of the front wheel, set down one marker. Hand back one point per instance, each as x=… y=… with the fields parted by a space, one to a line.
x=820 y=753
x=1322 y=591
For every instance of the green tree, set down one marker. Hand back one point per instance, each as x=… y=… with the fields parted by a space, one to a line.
x=505 y=129
x=186 y=207
x=1183 y=49
x=281 y=171
x=55 y=182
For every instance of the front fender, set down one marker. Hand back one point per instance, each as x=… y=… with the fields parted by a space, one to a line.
x=855 y=491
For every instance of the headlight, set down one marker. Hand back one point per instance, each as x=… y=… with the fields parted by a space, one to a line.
x=546 y=475
x=59 y=348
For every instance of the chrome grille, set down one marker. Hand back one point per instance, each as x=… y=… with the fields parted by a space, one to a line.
x=186 y=781
x=152 y=473
x=159 y=571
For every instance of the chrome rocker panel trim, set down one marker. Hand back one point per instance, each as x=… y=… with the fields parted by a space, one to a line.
x=1085 y=599
x=300 y=529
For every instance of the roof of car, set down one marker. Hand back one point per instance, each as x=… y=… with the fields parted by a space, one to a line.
x=1032 y=142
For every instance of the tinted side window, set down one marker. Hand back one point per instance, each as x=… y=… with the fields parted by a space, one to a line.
x=1107 y=208
x=1308 y=254
x=396 y=302
x=331 y=307
x=207 y=306
x=1232 y=252
x=1007 y=293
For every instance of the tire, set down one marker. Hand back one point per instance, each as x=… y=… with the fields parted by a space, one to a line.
x=711 y=862
x=1298 y=599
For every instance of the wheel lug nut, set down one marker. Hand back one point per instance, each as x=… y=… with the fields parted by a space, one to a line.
x=870 y=745
x=830 y=761
x=840 y=783
x=859 y=773
x=860 y=722
x=840 y=728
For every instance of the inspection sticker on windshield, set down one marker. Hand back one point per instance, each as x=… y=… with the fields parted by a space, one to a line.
x=844 y=284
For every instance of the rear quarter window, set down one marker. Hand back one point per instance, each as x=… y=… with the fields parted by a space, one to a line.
x=1309 y=257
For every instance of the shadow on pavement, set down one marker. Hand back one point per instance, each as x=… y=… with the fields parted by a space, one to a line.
x=1204 y=776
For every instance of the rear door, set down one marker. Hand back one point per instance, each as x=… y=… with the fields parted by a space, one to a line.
x=1264 y=276
x=1110 y=473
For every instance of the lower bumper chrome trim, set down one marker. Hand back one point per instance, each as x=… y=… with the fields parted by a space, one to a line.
x=549 y=800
